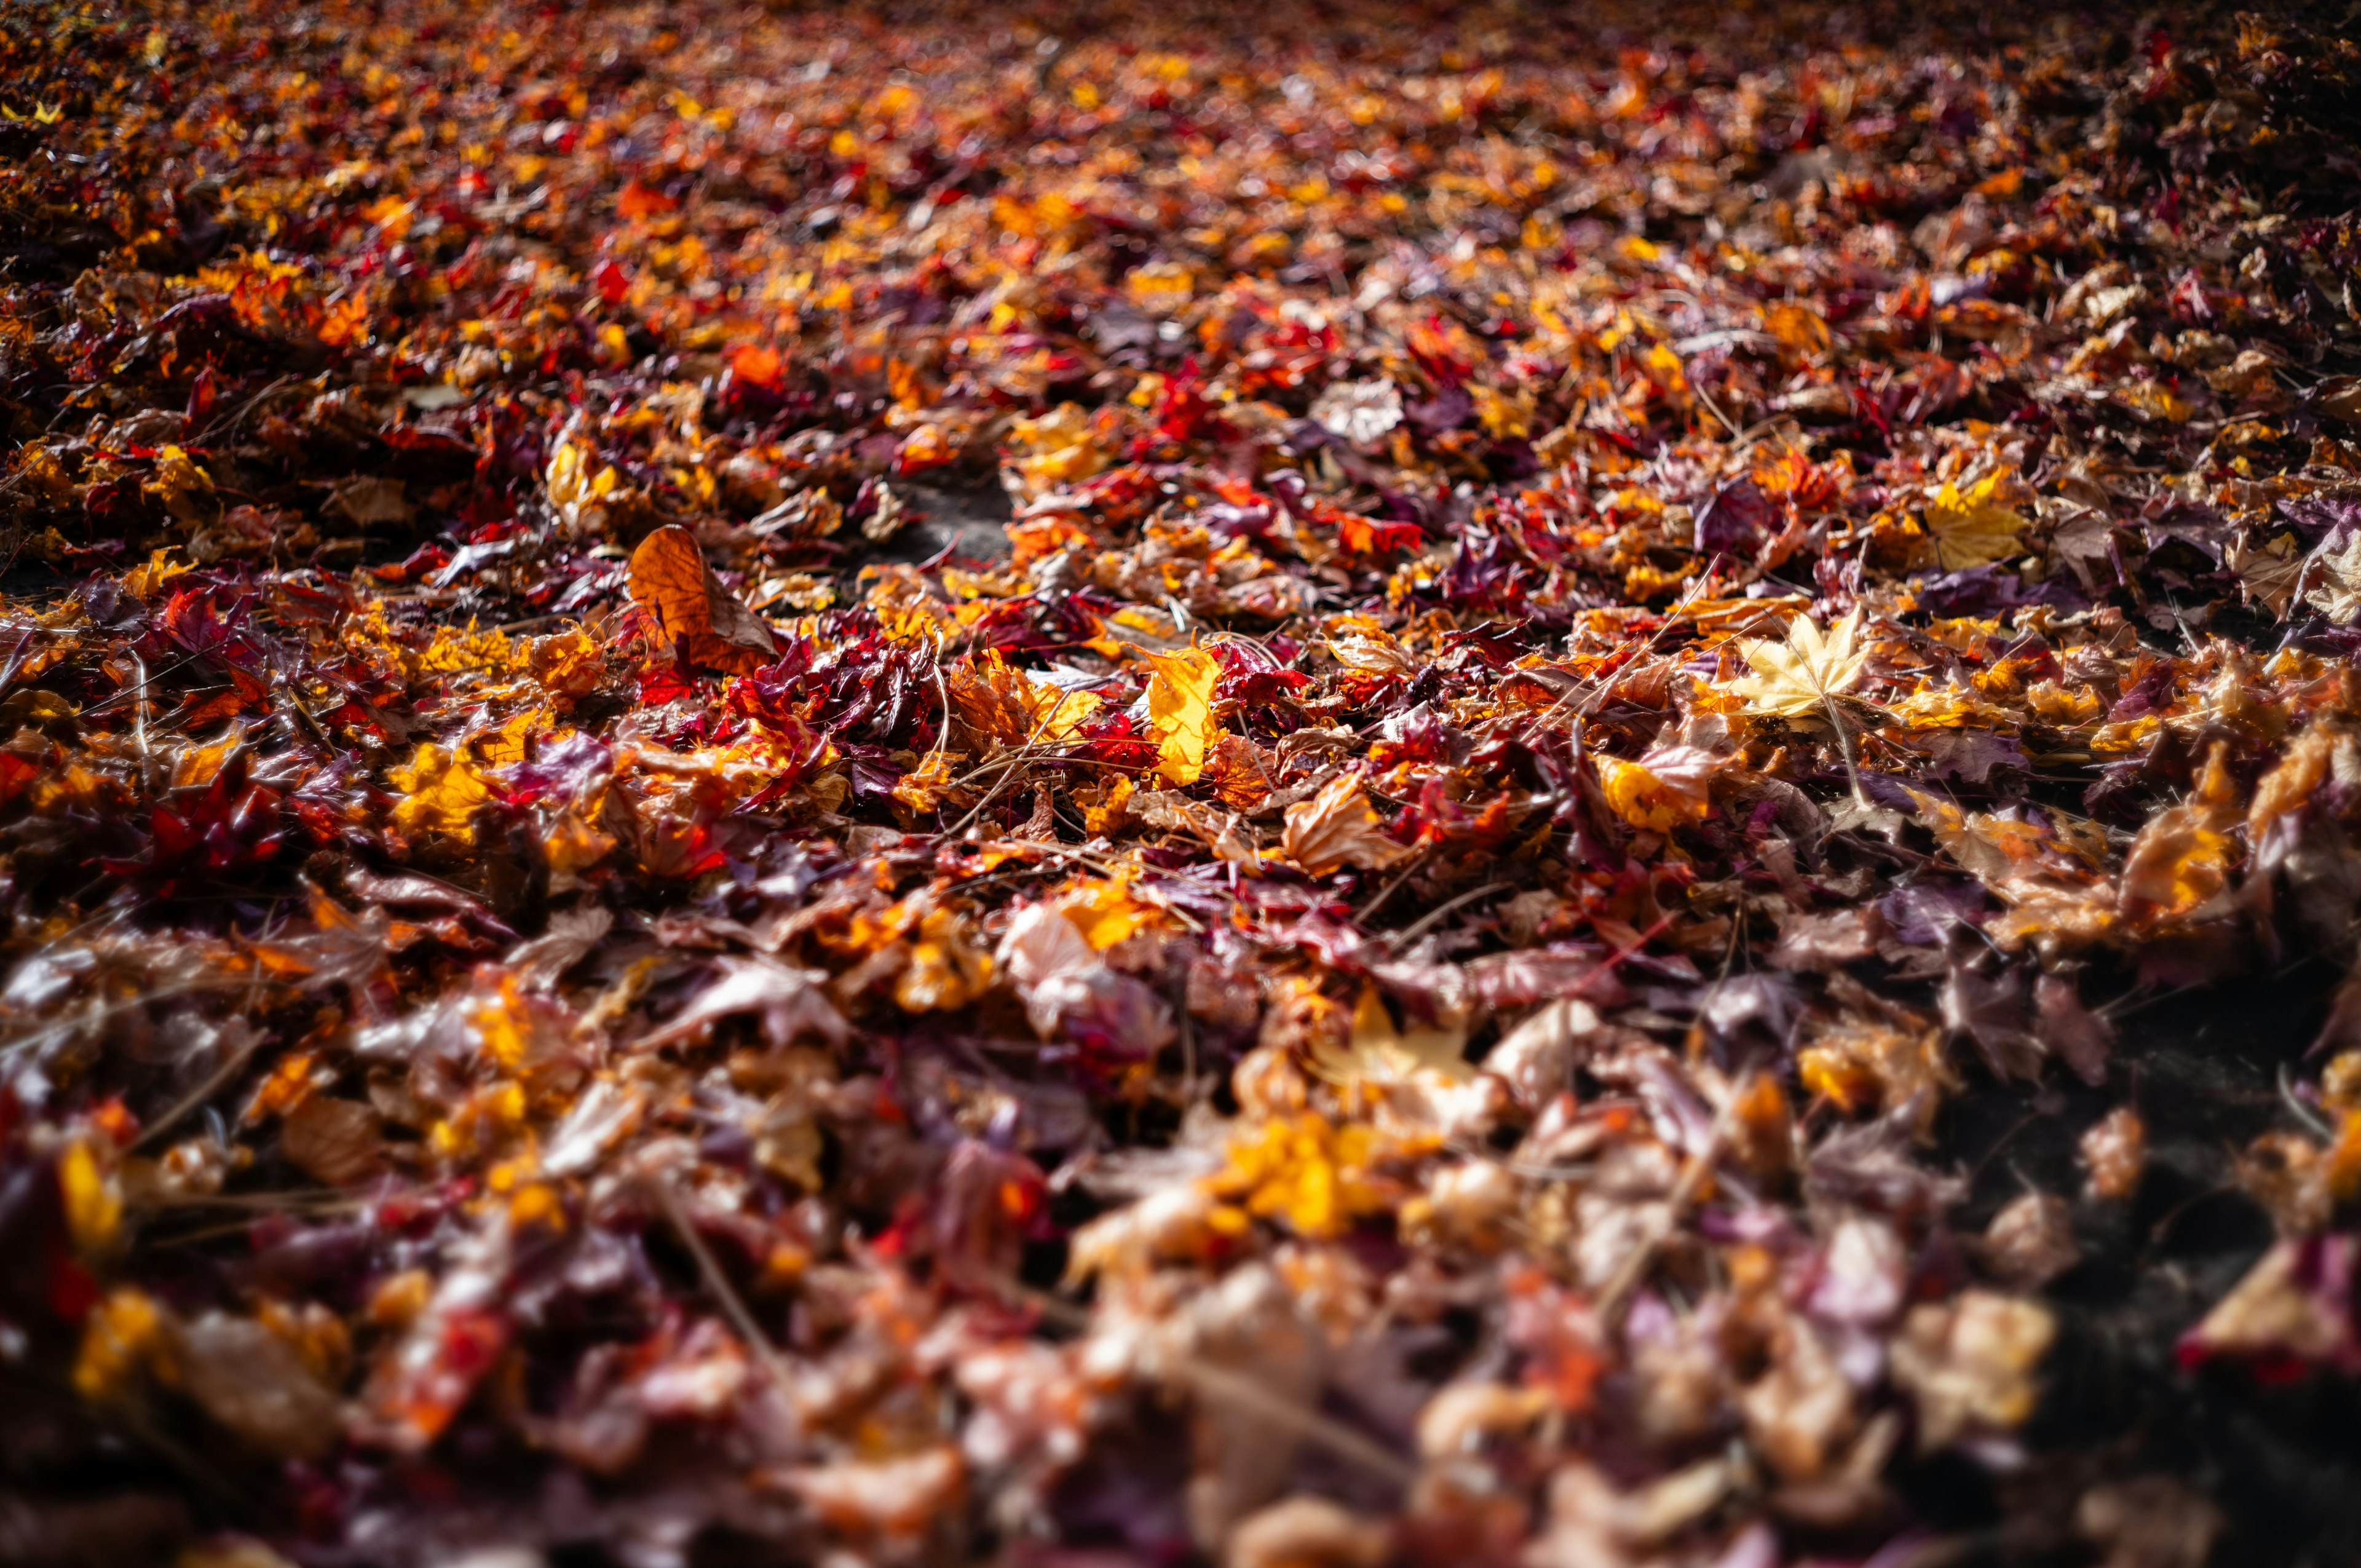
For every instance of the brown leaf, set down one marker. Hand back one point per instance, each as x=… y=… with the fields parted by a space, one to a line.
x=1335 y=828
x=333 y=1141
x=366 y=500
x=709 y=624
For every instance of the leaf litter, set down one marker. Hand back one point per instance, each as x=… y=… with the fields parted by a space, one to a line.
x=1554 y=899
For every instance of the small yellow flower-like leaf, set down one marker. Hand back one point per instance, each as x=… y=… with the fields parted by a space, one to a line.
x=928 y=785
x=1106 y=817
x=123 y=1335
x=1647 y=801
x=1794 y=679
x=1107 y=912
x=1304 y=1170
x=93 y=1204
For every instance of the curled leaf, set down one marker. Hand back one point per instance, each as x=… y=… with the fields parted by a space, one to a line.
x=708 y=623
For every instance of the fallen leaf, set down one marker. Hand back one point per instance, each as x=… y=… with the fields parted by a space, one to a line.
x=1337 y=827
x=709 y=624
x=1180 y=711
x=1796 y=679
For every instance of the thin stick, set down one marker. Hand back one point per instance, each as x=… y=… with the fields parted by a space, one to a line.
x=1425 y=922
x=1635 y=1267
x=1844 y=745
x=204 y=1092
x=733 y=1306
x=1418 y=858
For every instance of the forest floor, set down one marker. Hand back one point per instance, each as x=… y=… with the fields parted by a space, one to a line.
x=1114 y=784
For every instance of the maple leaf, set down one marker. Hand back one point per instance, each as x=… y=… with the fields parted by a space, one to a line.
x=441 y=793
x=708 y=623
x=1002 y=703
x=1974 y=528
x=1798 y=678
x=1180 y=711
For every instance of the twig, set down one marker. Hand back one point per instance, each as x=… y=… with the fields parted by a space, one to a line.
x=1844 y=744
x=733 y=1306
x=1418 y=858
x=206 y=1091
x=1425 y=922
x=2312 y=1120
x=1635 y=1267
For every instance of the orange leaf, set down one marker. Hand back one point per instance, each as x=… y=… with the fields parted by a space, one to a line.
x=711 y=625
x=636 y=201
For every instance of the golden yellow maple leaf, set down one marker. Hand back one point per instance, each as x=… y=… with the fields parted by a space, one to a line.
x=1796 y=679
x=1180 y=711
x=440 y=793
x=1975 y=527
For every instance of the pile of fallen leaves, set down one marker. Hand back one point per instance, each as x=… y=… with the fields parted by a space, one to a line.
x=1610 y=629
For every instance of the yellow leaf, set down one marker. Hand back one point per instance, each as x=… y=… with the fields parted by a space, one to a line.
x=1180 y=711
x=2180 y=862
x=1107 y=912
x=945 y=970
x=1003 y=702
x=122 y=1335
x=1107 y=816
x=2156 y=401
x=1798 y=328
x=1794 y=679
x=1303 y=1171
x=145 y=581
x=94 y=1207
x=440 y=793
x=1973 y=528
x=924 y=787
x=1640 y=798
x=507 y=744
x=1060 y=448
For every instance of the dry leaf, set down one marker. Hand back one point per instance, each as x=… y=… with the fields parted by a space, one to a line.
x=708 y=623
x=1796 y=679
x=1337 y=827
x=1180 y=711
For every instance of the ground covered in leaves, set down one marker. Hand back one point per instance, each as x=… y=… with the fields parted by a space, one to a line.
x=1133 y=783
